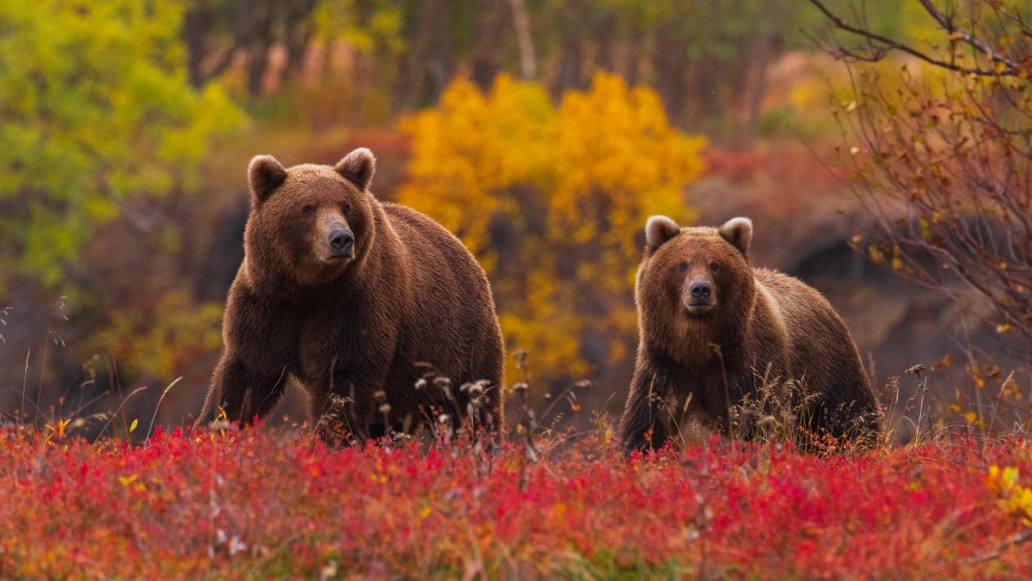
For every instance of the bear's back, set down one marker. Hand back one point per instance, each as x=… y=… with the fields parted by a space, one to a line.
x=431 y=244
x=822 y=352
x=443 y=325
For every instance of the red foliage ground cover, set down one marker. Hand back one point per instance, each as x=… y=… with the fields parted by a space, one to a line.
x=257 y=503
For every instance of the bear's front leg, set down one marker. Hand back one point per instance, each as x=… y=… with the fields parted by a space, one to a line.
x=642 y=426
x=252 y=374
x=241 y=391
x=349 y=408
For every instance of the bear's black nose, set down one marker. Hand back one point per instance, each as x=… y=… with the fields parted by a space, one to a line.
x=341 y=240
x=700 y=291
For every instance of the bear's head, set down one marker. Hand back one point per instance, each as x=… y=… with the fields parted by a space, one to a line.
x=308 y=223
x=695 y=280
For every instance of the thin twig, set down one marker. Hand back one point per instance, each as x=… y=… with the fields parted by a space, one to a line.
x=114 y=415
x=157 y=407
x=1010 y=541
x=886 y=45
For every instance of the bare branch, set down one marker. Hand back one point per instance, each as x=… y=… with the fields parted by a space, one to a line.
x=885 y=45
x=1010 y=541
x=948 y=25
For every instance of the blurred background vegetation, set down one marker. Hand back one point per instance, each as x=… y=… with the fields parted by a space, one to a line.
x=542 y=132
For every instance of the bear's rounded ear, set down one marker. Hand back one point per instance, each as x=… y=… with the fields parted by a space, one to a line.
x=658 y=230
x=264 y=175
x=358 y=167
x=738 y=231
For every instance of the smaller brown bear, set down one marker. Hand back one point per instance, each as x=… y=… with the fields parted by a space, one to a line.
x=715 y=332
x=347 y=296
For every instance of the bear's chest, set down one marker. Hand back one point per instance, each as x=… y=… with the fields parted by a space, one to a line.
x=333 y=339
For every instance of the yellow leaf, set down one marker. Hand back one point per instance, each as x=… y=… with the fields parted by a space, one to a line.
x=875 y=254
x=58 y=430
x=1003 y=327
x=132 y=426
x=943 y=363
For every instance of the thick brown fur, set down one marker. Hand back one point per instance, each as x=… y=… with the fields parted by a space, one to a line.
x=701 y=356
x=352 y=321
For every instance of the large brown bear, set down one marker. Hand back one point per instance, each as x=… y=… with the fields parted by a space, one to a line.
x=718 y=335
x=346 y=295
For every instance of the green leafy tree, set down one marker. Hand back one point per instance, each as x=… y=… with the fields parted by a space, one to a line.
x=95 y=109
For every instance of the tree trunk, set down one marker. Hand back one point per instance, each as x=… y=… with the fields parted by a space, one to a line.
x=416 y=62
x=606 y=39
x=195 y=30
x=524 y=39
x=632 y=63
x=442 y=61
x=669 y=62
x=298 y=31
x=488 y=43
x=767 y=47
x=571 y=49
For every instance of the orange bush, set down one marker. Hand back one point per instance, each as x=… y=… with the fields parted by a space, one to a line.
x=552 y=200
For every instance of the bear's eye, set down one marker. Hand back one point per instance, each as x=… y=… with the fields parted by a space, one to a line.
x=682 y=266
x=714 y=266
x=308 y=210
x=344 y=208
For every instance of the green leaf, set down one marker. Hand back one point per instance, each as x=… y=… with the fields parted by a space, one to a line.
x=97 y=112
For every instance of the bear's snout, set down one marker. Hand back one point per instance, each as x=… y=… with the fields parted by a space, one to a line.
x=334 y=240
x=700 y=299
x=341 y=241
x=700 y=292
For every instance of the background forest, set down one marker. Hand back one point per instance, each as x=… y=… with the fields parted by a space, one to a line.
x=889 y=168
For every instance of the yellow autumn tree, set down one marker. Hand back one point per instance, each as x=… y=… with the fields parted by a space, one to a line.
x=552 y=200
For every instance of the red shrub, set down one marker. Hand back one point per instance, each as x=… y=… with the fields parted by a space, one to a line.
x=253 y=504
